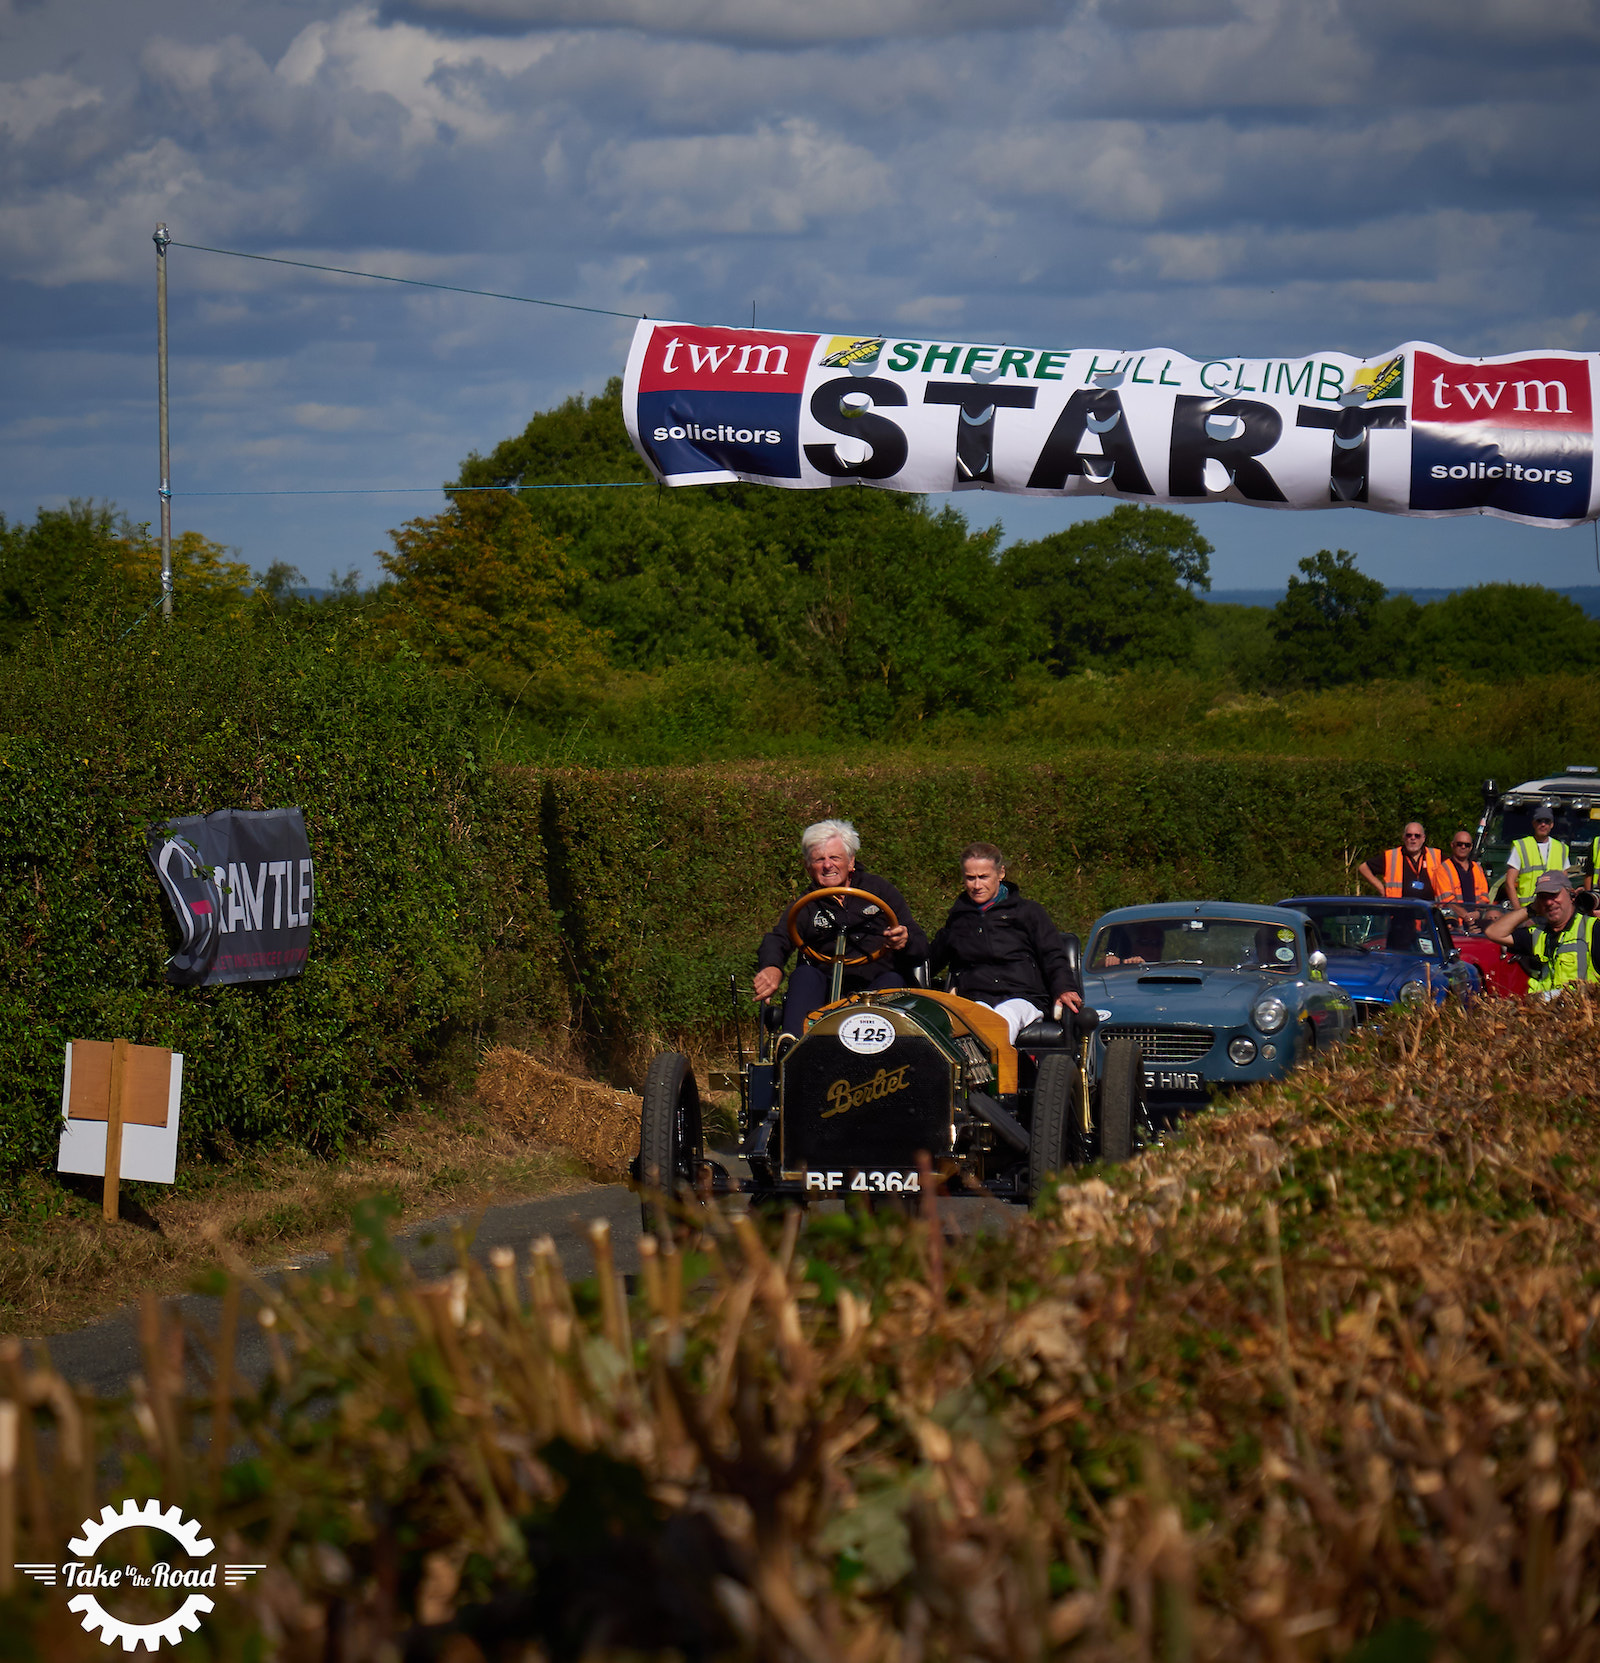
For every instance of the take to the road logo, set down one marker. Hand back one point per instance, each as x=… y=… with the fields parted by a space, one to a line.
x=723 y=400
x=1516 y=436
x=93 y=1578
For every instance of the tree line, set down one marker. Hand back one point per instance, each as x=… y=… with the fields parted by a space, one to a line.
x=864 y=609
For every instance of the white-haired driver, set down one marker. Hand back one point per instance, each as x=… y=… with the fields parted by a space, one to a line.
x=828 y=850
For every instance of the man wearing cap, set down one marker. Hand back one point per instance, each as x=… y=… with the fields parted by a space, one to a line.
x=1464 y=886
x=1532 y=857
x=1411 y=872
x=1550 y=935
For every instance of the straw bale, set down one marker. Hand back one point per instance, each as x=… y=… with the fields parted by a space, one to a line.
x=594 y=1121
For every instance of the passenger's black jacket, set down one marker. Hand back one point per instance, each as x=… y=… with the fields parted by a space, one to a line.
x=863 y=929
x=1011 y=950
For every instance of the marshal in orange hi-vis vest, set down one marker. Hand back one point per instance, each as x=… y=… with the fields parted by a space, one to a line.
x=1394 y=874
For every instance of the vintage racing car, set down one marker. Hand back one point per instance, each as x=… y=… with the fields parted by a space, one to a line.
x=1386 y=952
x=1574 y=795
x=881 y=1076
x=1212 y=993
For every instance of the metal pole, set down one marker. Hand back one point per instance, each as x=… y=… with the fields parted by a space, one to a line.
x=161 y=241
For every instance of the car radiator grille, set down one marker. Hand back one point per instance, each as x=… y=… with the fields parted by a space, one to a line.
x=1369 y=1010
x=1167 y=1044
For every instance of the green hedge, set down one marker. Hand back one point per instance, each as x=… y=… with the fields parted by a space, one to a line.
x=664 y=879
x=454 y=897
x=430 y=916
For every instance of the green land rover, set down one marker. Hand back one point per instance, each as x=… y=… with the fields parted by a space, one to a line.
x=1575 y=796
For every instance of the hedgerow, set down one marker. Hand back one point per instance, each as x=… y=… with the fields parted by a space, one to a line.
x=664 y=878
x=429 y=873
x=456 y=897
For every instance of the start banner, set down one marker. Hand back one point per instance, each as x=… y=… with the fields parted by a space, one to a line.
x=239 y=883
x=1413 y=431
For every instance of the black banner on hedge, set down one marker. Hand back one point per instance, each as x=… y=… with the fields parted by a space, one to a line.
x=240 y=887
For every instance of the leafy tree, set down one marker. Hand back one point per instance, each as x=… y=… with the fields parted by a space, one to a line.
x=74 y=561
x=1233 y=643
x=207 y=581
x=481 y=591
x=49 y=570
x=1114 y=591
x=1335 y=625
x=1506 y=632
x=892 y=612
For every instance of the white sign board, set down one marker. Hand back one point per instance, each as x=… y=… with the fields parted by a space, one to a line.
x=149 y=1151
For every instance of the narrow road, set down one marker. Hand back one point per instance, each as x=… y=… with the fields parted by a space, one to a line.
x=104 y=1355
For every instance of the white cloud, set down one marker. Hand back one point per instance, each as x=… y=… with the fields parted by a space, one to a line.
x=1215 y=174
x=28 y=106
x=782 y=179
x=336 y=418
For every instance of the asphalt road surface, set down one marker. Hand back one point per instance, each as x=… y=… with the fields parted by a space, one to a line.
x=104 y=1355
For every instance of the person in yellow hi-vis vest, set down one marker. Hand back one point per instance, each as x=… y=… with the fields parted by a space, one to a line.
x=1551 y=936
x=1532 y=857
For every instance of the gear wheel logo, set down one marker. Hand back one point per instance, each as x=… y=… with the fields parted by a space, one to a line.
x=79 y=1573
x=133 y=1515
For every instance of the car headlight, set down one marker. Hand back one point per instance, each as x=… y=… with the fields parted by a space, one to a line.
x=1412 y=993
x=1242 y=1050
x=1269 y=1013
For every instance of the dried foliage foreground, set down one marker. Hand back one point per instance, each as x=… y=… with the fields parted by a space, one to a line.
x=1317 y=1378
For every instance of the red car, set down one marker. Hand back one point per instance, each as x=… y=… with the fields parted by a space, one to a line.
x=1501 y=974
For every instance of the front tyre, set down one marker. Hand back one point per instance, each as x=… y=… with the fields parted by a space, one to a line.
x=1121 y=1081
x=671 y=1145
x=1050 y=1136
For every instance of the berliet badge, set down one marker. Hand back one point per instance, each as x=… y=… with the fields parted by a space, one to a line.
x=85 y=1573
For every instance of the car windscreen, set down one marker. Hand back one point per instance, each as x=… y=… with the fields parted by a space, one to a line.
x=1573 y=825
x=1222 y=943
x=1350 y=925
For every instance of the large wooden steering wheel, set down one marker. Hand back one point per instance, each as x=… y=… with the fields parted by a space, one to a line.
x=815 y=954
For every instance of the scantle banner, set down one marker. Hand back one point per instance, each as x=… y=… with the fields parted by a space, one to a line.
x=1413 y=431
x=239 y=884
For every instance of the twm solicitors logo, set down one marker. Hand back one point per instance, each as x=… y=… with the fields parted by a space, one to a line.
x=1515 y=435
x=86 y=1572
x=740 y=408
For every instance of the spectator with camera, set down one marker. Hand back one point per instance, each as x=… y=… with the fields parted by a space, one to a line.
x=1553 y=936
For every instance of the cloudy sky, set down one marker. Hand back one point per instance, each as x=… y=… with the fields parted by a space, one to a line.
x=1261 y=177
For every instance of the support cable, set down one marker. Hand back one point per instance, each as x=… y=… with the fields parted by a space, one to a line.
x=411 y=282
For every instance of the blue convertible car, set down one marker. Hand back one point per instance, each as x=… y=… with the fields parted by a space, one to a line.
x=1213 y=993
x=1388 y=952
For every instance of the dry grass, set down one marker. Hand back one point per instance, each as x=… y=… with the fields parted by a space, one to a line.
x=61 y=1265
x=1324 y=1369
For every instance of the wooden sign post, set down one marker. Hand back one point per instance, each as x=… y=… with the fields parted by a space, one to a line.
x=132 y=1091
x=110 y=1201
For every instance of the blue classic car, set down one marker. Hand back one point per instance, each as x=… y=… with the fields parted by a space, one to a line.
x=1213 y=993
x=1388 y=952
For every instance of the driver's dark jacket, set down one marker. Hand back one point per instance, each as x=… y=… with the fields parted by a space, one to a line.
x=1011 y=950
x=862 y=930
